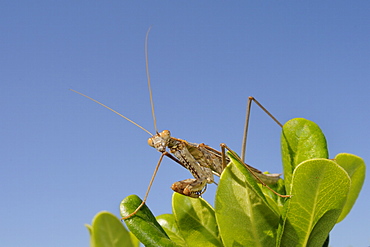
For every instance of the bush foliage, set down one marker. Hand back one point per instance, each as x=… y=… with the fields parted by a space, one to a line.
x=246 y=213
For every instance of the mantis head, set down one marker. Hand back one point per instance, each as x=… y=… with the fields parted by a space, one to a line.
x=160 y=140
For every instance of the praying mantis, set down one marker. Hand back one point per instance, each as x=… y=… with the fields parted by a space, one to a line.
x=201 y=160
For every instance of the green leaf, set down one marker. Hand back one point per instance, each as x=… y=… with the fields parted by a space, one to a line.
x=319 y=188
x=169 y=224
x=107 y=230
x=301 y=140
x=143 y=224
x=90 y=229
x=134 y=240
x=356 y=169
x=243 y=214
x=196 y=221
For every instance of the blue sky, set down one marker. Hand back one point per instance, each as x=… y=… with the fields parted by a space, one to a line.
x=65 y=158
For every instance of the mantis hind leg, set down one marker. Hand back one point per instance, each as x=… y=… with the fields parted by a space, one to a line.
x=246 y=125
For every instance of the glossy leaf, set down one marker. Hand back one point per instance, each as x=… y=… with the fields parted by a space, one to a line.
x=143 y=224
x=196 y=221
x=242 y=211
x=355 y=167
x=107 y=230
x=301 y=140
x=320 y=188
x=169 y=224
x=134 y=239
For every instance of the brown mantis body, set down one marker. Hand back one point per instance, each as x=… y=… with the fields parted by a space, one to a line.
x=202 y=161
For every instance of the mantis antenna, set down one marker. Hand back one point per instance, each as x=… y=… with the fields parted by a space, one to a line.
x=150 y=93
x=148 y=78
x=119 y=114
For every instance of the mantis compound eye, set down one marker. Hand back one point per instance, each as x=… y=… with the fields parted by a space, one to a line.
x=165 y=134
x=150 y=142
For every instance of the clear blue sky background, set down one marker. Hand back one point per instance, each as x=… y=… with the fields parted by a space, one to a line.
x=64 y=158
